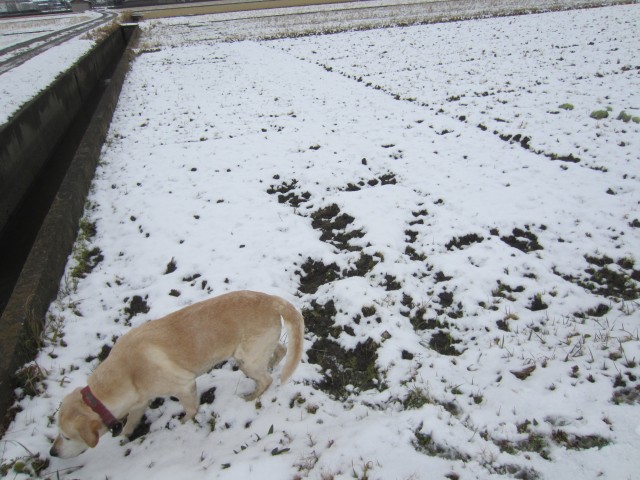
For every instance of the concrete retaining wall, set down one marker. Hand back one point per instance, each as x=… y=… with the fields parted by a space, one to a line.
x=33 y=131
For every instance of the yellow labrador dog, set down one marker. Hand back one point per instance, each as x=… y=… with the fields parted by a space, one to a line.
x=164 y=357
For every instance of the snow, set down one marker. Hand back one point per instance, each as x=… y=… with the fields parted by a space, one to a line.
x=205 y=134
x=21 y=29
x=21 y=84
x=24 y=82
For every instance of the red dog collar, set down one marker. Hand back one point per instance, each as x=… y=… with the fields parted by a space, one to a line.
x=112 y=423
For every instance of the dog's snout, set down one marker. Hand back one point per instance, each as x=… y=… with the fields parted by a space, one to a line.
x=63 y=448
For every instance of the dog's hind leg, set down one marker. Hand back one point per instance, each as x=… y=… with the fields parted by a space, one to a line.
x=256 y=369
x=278 y=355
x=256 y=356
x=260 y=376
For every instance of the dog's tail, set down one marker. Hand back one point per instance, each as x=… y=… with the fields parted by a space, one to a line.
x=294 y=322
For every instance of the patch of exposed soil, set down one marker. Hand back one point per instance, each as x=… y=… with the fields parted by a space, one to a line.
x=443 y=343
x=413 y=235
x=464 y=241
x=506 y=291
x=604 y=276
x=420 y=322
x=446 y=298
x=626 y=395
x=346 y=370
x=424 y=443
x=440 y=277
x=320 y=319
x=88 y=260
x=386 y=179
x=143 y=427
x=333 y=226
x=287 y=193
x=104 y=353
x=391 y=283
x=414 y=255
x=571 y=441
x=524 y=240
x=208 y=396
x=136 y=305
x=172 y=266
x=316 y=274
x=363 y=265
x=600 y=311
x=536 y=303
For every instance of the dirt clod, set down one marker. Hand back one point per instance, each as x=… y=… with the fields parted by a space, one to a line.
x=320 y=319
x=136 y=305
x=317 y=274
x=523 y=240
x=443 y=343
x=346 y=370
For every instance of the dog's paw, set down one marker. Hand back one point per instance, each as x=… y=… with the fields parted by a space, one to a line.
x=136 y=431
x=187 y=417
x=250 y=397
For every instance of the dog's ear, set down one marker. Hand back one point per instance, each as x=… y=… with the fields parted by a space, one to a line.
x=90 y=432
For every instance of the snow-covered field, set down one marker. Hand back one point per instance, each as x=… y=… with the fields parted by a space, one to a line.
x=460 y=233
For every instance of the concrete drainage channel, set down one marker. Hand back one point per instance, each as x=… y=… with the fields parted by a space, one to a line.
x=48 y=154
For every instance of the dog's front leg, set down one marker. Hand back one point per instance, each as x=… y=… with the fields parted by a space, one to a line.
x=188 y=397
x=133 y=419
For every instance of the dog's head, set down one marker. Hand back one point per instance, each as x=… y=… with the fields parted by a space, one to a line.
x=79 y=427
